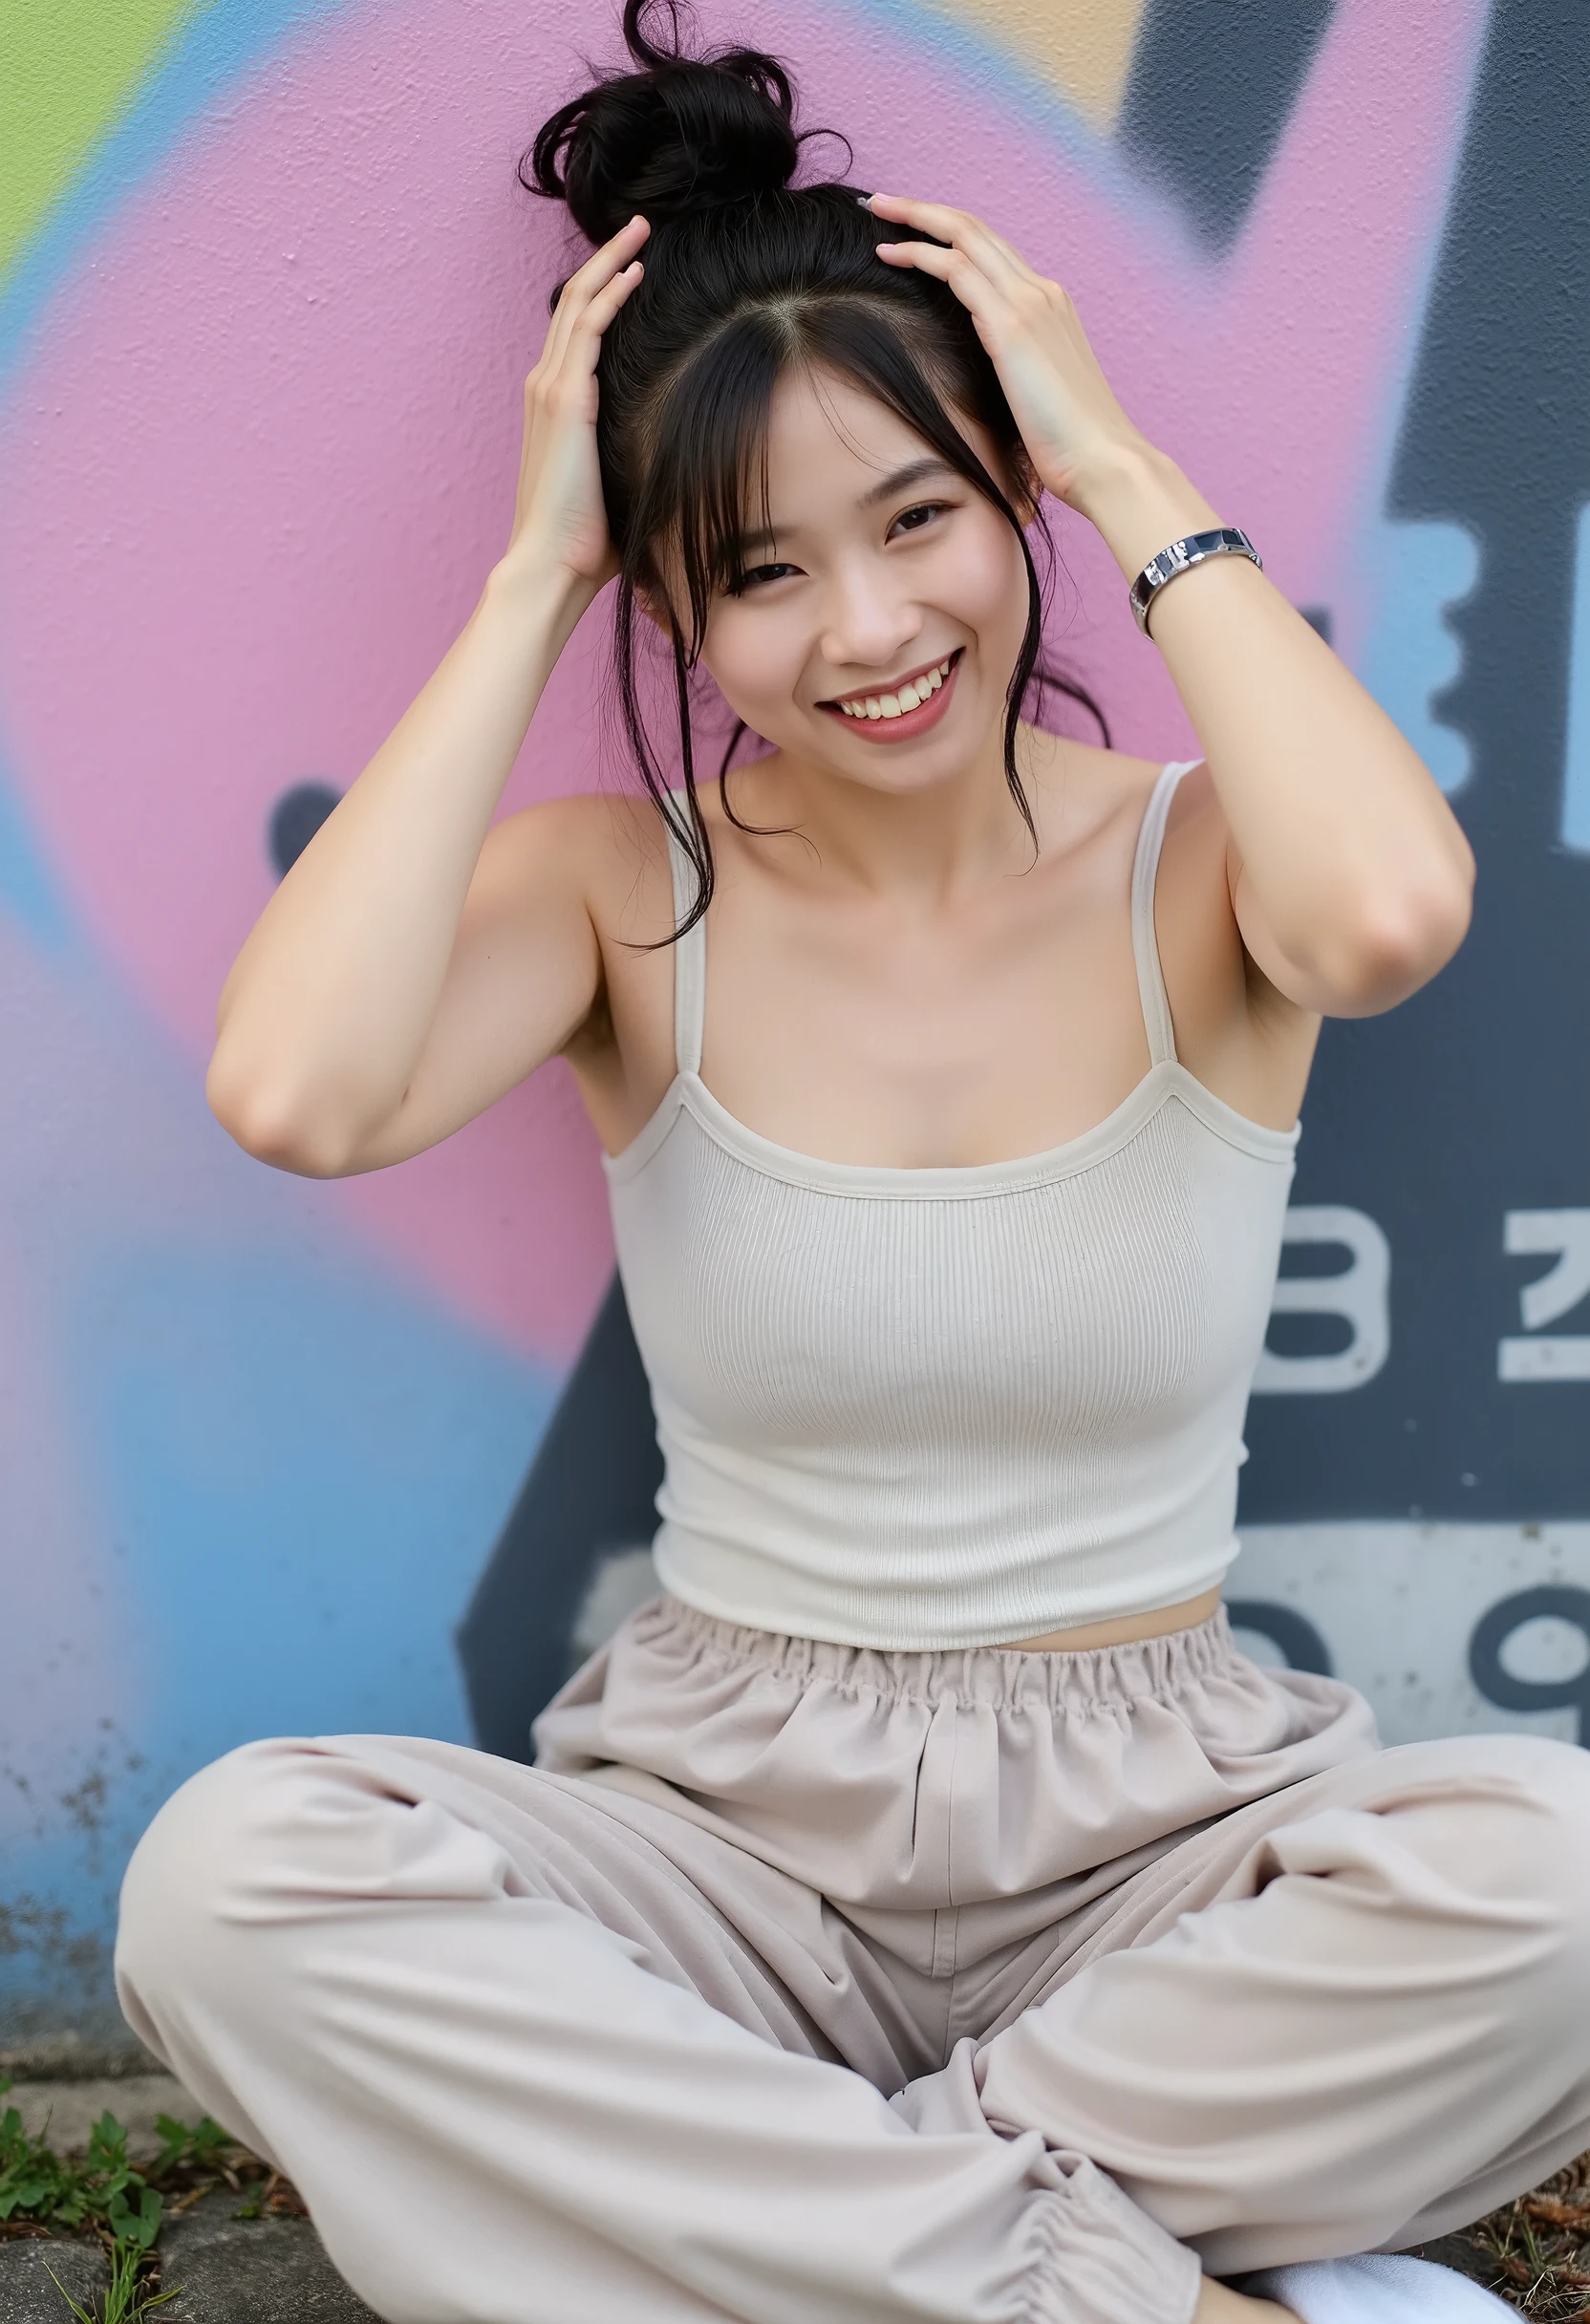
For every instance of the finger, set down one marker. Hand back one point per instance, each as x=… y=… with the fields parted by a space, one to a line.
x=600 y=268
x=960 y=269
x=988 y=303
x=608 y=258
x=583 y=345
x=569 y=365
x=962 y=230
x=975 y=257
x=1007 y=250
x=585 y=282
x=585 y=338
x=939 y=218
x=1025 y=295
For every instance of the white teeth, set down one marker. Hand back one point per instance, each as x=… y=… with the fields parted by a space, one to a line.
x=910 y=697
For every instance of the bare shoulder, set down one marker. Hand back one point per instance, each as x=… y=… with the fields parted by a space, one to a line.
x=1092 y=789
x=1082 y=792
x=607 y=848
x=1099 y=797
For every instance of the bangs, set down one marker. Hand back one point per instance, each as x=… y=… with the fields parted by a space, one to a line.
x=703 y=453
x=701 y=447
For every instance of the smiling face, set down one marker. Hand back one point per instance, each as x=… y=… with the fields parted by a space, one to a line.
x=882 y=610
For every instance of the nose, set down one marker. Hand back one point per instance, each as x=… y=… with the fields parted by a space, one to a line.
x=867 y=622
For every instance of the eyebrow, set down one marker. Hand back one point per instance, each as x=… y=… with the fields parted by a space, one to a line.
x=901 y=480
x=898 y=479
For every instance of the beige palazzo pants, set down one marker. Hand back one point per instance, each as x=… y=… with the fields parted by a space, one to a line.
x=798 y=1982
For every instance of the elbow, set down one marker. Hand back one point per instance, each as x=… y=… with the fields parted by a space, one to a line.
x=1398 y=943
x=273 y=1126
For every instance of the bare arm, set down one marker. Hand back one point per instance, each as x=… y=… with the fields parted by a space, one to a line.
x=1348 y=873
x=409 y=969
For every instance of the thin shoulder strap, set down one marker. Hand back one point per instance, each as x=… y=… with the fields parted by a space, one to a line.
x=1145 y=944
x=690 y=964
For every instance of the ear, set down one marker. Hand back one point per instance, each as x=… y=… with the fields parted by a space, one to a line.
x=655 y=607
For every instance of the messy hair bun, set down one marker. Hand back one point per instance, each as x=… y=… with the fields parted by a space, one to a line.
x=679 y=133
x=748 y=277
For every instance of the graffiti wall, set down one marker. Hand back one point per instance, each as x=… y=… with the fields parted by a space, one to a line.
x=280 y=1455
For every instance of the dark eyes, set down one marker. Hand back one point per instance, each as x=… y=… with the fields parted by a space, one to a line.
x=757 y=577
x=909 y=520
x=913 y=520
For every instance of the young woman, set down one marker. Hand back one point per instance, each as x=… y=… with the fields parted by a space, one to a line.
x=920 y=1910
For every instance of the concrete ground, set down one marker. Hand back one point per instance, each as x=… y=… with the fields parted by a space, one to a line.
x=229 y=2269
x=65 y=2111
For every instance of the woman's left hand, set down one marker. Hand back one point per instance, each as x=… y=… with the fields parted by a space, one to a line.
x=1070 y=422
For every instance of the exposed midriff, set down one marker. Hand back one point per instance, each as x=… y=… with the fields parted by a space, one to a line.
x=1123 y=1631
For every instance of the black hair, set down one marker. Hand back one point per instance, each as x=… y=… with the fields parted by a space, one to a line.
x=745 y=276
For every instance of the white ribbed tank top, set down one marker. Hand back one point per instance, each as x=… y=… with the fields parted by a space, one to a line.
x=921 y=1408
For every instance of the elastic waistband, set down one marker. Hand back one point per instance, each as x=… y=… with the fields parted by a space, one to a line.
x=1000 y=1677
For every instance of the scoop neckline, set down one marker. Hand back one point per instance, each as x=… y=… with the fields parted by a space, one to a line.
x=1169 y=1078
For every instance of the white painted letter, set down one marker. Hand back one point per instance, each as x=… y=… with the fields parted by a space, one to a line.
x=1564 y=1355
x=1361 y=1294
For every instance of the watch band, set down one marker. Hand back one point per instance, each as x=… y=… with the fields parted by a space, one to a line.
x=1226 y=541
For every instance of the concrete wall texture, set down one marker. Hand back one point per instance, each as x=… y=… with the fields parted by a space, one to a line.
x=270 y=289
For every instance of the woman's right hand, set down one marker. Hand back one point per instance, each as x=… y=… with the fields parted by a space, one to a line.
x=560 y=517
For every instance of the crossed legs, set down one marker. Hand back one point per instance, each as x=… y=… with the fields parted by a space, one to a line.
x=534 y=2053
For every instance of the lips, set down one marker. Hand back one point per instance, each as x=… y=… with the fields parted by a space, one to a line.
x=866 y=716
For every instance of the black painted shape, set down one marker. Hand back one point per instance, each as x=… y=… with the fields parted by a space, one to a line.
x=1319 y=619
x=1495 y=1628
x=591 y=1489
x=1306 y=1332
x=1212 y=84
x=1285 y=1628
x=294 y=820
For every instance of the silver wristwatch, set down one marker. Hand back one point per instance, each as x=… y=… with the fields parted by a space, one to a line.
x=1227 y=541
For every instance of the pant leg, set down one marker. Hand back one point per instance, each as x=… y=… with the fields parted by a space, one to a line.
x=1350 y=2016
x=525 y=2069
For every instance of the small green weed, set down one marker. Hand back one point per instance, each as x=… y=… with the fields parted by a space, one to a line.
x=188 y=2146
x=100 y=2194
x=100 y=2189
x=128 y=2300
